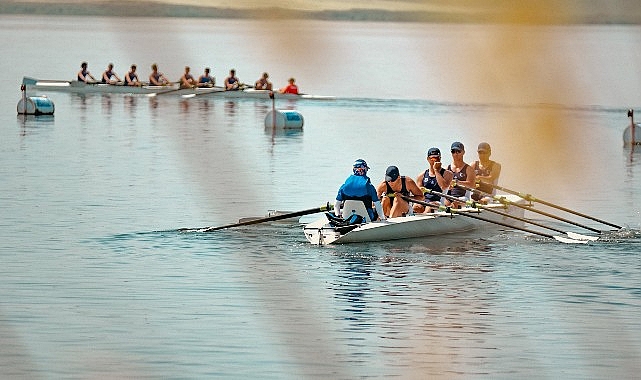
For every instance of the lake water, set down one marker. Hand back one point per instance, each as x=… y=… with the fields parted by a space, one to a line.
x=96 y=280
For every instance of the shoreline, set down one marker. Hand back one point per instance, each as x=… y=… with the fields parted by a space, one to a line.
x=579 y=15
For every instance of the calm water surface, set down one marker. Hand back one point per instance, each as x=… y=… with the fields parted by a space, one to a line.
x=96 y=281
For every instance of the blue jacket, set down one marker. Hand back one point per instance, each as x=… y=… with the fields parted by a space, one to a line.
x=359 y=188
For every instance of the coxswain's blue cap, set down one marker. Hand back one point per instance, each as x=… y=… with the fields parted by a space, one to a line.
x=360 y=163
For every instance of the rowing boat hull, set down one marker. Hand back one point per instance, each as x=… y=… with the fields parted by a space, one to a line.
x=75 y=87
x=320 y=232
x=246 y=93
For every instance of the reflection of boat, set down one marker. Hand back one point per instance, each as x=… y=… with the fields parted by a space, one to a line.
x=77 y=87
x=323 y=231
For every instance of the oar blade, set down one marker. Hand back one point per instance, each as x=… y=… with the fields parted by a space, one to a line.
x=569 y=241
x=574 y=235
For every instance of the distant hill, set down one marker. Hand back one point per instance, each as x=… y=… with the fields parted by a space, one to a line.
x=461 y=11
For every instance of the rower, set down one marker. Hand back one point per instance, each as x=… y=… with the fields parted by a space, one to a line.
x=435 y=178
x=131 y=78
x=157 y=78
x=187 y=80
x=206 y=80
x=262 y=83
x=84 y=74
x=487 y=173
x=232 y=82
x=462 y=173
x=108 y=74
x=390 y=190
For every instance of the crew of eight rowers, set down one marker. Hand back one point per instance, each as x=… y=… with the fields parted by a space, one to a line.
x=187 y=80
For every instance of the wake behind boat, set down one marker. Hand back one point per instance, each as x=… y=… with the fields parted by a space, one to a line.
x=33 y=85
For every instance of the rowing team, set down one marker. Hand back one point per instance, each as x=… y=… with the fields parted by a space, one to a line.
x=187 y=80
x=390 y=198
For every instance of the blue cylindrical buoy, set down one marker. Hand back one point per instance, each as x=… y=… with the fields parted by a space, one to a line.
x=284 y=119
x=35 y=105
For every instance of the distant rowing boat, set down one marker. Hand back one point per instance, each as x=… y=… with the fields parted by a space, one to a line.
x=77 y=87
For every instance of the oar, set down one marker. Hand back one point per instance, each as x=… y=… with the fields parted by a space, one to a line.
x=214 y=90
x=570 y=234
x=470 y=215
x=508 y=202
x=473 y=204
x=530 y=198
x=160 y=92
x=323 y=208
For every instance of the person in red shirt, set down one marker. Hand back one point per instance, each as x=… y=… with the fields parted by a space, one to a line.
x=291 y=88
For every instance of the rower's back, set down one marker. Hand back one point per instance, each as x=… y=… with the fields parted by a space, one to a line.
x=352 y=206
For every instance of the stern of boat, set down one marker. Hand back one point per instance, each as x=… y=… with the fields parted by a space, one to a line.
x=320 y=232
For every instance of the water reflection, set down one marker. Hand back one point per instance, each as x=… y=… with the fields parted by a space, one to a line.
x=184 y=106
x=204 y=106
x=260 y=109
x=153 y=102
x=80 y=100
x=230 y=108
x=353 y=287
x=107 y=104
x=634 y=155
x=130 y=103
x=31 y=123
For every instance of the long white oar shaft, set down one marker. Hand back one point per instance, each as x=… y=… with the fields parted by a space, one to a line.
x=530 y=198
x=470 y=215
x=572 y=235
x=326 y=207
x=506 y=201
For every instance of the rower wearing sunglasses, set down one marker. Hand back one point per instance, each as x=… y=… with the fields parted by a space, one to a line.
x=487 y=173
x=463 y=173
